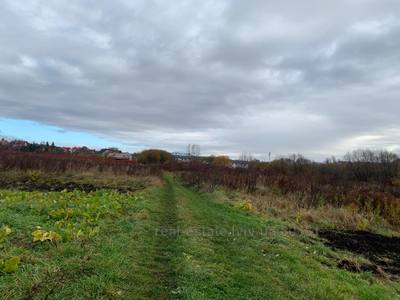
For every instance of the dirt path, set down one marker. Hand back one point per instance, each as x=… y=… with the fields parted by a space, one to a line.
x=166 y=248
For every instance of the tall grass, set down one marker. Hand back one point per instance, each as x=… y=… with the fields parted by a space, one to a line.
x=366 y=186
x=49 y=162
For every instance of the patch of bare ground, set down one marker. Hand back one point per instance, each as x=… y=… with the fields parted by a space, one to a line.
x=382 y=251
x=87 y=182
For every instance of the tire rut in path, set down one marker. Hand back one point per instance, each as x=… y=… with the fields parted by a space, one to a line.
x=166 y=247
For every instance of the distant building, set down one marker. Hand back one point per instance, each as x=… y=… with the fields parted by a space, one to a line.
x=121 y=156
x=18 y=144
x=67 y=149
x=182 y=156
x=240 y=164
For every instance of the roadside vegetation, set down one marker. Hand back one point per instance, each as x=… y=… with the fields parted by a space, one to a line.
x=361 y=192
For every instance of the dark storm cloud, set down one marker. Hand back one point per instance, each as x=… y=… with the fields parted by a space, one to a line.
x=282 y=76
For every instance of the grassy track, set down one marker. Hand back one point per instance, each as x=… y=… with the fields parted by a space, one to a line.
x=226 y=253
x=171 y=242
x=166 y=251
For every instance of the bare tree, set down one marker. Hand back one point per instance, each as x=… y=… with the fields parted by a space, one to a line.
x=246 y=156
x=193 y=150
x=367 y=164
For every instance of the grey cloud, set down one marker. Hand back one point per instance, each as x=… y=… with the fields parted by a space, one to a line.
x=259 y=76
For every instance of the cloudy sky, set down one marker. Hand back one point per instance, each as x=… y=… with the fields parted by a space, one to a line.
x=313 y=77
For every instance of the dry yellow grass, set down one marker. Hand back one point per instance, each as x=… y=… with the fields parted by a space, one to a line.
x=268 y=203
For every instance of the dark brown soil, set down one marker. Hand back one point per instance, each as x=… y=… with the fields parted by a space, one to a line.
x=59 y=186
x=383 y=252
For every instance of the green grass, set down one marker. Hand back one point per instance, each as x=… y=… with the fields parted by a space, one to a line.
x=103 y=252
x=168 y=242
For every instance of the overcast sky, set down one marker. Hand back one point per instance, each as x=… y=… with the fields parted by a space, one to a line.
x=313 y=77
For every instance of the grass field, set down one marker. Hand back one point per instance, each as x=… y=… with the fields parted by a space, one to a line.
x=164 y=242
